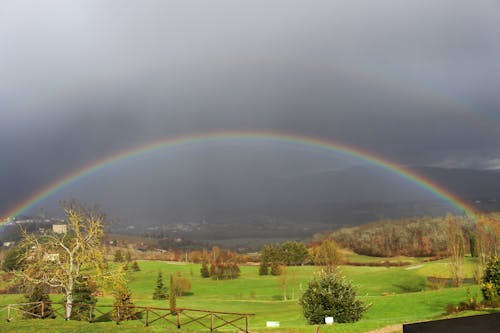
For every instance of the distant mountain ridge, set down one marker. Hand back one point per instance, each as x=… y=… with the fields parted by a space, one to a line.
x=312 y=202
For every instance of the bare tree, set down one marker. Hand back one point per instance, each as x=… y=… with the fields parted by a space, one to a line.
x=59 y=259
x=456 y=249
x=283 y=282
x=328 y=255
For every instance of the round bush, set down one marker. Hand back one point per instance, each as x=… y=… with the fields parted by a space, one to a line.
x=330 y=295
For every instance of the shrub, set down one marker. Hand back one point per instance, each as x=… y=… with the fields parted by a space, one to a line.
x=181 y=285
x=276 y=269
x=263 y=268
x=330 y=295
x=490 y=285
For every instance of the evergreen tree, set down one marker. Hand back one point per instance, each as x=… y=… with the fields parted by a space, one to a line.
x=38 y=293
x=161 y=292
x=118 y=256
x=331 y=295
x=123 y=304
x=135 y=266
x=83 y=299
x=204 y=270
x=128 y=257
x=11 y=260
x=490 y=285
x=172 y=297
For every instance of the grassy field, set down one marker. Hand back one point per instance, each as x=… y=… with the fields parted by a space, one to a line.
x=395 y=294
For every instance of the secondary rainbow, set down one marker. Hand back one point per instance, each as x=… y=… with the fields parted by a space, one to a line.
x=166 y=143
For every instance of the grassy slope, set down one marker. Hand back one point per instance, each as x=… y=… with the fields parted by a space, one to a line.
x=396 y=295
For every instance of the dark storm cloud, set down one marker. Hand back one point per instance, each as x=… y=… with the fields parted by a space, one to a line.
x=83 y=79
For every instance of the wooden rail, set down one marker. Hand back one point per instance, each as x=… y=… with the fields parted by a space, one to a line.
x=148 y=315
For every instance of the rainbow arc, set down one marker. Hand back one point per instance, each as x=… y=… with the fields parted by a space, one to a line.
x=167 y=143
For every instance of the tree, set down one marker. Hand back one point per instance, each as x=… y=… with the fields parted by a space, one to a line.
x=12 y=260
x=288 y=253
x=263 y=268
x=38 y=293
x=276 y=269
x=128 y=256
x=172 y=297
x=118 y=256
x=60 y=259
x=294 y=253
x=205 y=273
x=123 y=304
x=456 y=249
x=330 y=295
x=223 y=265
x=180 y=286
x=160 y=292
x=328 y=255
x=135 y=266
x=83 y=299
x=490 y=285
x=282 y=281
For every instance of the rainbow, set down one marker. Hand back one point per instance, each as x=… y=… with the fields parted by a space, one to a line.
x=165 y=143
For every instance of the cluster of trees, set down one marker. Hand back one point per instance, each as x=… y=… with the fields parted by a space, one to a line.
x=417 y=237
x=290 y=253
x=72 y=262
x=220 y=264
x=274 y=258
x=422 y=236
x=127 y=259
x=178 y=286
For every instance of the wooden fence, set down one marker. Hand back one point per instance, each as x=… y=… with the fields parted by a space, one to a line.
x=180 y=317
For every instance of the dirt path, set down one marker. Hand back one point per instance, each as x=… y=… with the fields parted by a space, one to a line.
x=388 y=329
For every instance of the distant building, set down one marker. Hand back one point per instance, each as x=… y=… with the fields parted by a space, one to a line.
x=60 y=228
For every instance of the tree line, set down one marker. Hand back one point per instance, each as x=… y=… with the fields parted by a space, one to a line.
x=422 y=236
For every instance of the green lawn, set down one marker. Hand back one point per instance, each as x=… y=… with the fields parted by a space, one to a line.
x=395 y=294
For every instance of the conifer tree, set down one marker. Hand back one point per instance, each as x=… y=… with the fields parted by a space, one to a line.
x=161 y=292
x=38 y=293
x=82 y=299
x=118 y=256
x=123 y=304
x=204 y=270
x=172 y=296
x=135 y=266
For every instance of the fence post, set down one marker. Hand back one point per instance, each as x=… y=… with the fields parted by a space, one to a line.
x=147 y=316
x=42 y=308
x=246 y=323
x=178 y=319
x=91 y=308
x=8 y=313
x=211 y=321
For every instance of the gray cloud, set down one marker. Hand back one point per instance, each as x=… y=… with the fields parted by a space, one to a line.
x=413 y=81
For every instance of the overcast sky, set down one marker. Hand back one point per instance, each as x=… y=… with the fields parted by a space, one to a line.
x=414 y=81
